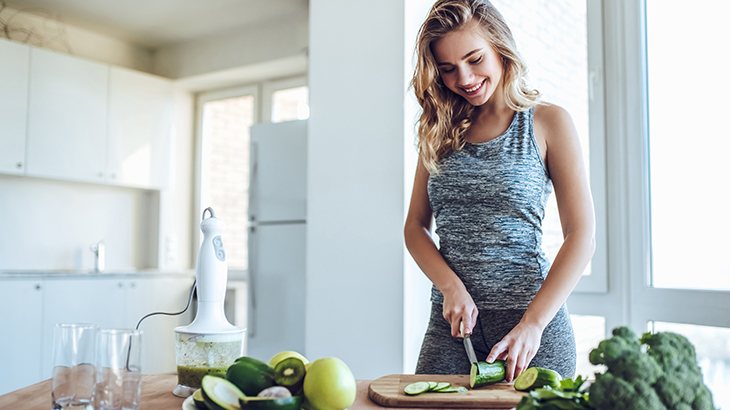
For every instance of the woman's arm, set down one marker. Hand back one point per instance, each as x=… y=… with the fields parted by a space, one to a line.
x=458 y=304
x=564 y=160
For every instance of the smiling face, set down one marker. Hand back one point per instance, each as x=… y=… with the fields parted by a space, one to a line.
x=469 y=66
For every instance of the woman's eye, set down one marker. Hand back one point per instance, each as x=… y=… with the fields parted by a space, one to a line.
x=447 y=70
x=476 y=61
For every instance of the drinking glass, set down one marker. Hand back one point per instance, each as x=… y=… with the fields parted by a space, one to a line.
x=72 y=385
x=118 y=367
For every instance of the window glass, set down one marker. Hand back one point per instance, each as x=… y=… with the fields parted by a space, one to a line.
x=688 y=143
x=551 y=36
x=712 y=345
x=290 y=104
x=589 y=332
x=226 y=137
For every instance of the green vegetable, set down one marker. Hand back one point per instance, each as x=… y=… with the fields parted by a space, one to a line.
x=569 y=395
x=250 y=375
x=199 y=400
x=416 y=388
x=220 y=394
x=483 y=373
x=537 y=377
x=667 y=376
x=268 y=403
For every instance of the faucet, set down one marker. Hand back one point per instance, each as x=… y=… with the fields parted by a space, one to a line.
x=98 y=249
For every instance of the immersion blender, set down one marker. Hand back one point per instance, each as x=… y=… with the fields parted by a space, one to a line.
x=210 y=343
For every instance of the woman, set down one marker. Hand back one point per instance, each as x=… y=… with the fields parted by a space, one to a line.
x=490 y=153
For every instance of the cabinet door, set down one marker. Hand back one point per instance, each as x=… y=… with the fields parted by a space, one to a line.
x=66 y=117
x=165 y=294
x=140 y=127
x=20 y=344
x=13 y=105
x=98 y=300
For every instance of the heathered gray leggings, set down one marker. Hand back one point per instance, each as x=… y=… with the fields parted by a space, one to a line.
x=443 y=354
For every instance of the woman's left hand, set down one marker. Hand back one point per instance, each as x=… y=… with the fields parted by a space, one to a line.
x=517 y=349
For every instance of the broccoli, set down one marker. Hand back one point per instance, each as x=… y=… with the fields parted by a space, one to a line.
x=666 y=376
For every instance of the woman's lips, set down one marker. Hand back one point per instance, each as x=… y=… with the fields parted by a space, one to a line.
x=474 y=88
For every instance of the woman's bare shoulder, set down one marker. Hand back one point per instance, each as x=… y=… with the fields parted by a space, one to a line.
x=552 y=121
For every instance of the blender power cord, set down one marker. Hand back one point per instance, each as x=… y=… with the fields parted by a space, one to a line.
x=190 y=301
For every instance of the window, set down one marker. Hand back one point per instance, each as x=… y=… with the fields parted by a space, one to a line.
x=224 y=121
x=561 y=43
x=589 y=332
x=688 y=143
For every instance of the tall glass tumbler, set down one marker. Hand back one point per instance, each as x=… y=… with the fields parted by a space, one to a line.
x=72 y=385
x=119 y=371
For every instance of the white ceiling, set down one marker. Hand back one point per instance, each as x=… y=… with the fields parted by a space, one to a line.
x=156 y=23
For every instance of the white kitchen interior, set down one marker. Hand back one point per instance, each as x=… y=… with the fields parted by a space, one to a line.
x=102 y=107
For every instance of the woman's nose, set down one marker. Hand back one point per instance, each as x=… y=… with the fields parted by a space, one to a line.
x=465 y=76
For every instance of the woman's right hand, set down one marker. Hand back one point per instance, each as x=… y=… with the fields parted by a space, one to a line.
x=459 y=307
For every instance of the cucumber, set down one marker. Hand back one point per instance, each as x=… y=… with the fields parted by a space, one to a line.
x=536 y=378
x=262 y=403
x=441 y=386
x=220 y=394
x=250 y=375
x=416 y=388
x=483 y=373
x=199 y=400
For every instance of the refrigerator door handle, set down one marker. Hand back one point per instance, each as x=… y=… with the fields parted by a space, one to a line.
x=253 y=207
x=252 y=264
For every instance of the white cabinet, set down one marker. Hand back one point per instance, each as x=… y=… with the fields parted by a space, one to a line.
x=119 y=301
x=140 y=127
x=67 y=117
x=13 y=105
x=20 y=344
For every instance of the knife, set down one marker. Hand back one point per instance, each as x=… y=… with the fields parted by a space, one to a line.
x=467 y=346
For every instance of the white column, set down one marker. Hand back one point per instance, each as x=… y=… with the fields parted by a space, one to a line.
x=358 y=183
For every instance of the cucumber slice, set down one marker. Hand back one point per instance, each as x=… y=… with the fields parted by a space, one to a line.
x=457 y=389
x=199 y=401
x=442 y=385
x=220 y=394
x=432 y=386
x=483 y=373
x=536 y=378
x=416 y=388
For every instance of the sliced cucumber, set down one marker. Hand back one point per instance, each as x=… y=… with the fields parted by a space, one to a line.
x=416 y=388
x=432 y=386
x=536 y=378
x=442 y=385
x=483 y=373
x=220 y=394
x=457 y=389
x=199 y=400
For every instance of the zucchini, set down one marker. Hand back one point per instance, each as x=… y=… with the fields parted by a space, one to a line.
x=483 y=373
x=220 y=394
x=250 y=375
x=536 y=378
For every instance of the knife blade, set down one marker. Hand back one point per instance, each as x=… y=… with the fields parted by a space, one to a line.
x=467 y=345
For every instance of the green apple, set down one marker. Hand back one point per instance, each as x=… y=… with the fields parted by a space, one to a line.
x=329 y=384
x=286 y=354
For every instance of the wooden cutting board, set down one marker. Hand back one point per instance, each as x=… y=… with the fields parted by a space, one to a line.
x=388 y=391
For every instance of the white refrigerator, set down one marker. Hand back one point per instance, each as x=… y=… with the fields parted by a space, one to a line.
x=277 y=236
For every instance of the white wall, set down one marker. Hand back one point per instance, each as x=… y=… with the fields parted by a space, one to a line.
x=51 y=224
x=357 y=158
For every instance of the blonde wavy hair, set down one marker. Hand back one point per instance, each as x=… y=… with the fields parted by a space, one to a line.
x=446 y=116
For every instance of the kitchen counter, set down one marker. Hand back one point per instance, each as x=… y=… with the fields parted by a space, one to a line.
x=156 y=395
x=71 y=273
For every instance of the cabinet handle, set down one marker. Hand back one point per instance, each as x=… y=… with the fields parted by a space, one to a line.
x=114 y=176
x=101 y=175
x=37 y=287
x=133 y=285
x=19 y=165
x=120 y=284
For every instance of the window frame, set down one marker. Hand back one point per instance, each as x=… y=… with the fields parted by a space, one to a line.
x=270 y=87
x=630 y=300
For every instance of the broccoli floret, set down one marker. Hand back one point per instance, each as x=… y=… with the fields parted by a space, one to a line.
x=624 y=341
x=666 y=376
x=609 y=392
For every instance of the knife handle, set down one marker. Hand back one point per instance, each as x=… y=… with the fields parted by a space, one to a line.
x=461 y=329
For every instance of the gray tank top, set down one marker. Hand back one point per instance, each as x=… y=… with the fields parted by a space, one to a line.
x=488 y=201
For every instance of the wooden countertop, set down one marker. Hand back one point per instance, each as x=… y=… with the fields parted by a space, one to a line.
x=156 y=395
